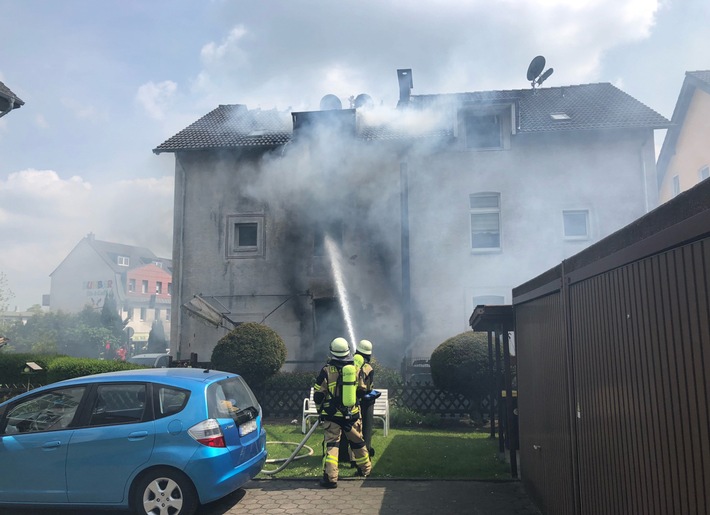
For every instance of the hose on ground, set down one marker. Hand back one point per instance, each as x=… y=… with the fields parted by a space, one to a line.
x=293 y=456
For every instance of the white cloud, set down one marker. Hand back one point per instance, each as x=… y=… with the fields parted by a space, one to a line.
x=157 y=98
x=43 y=216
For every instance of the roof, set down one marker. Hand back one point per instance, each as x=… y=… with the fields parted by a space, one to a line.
x=137 y=256
x=231 y=126
x=587 y=106
x=8 y=98
x=694 y=80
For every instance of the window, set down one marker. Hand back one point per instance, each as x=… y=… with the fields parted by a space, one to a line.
x=157 y=314
x=123 y=261
x=48 y=411
x=169 y=400
x=246 y=236
x=144 y=287
x=576 y=224
x=485 y=127
x=131 y=313
x=483 y=131
x=131 y=285
x=118 y=404
x=170 y=288
x=485 y=221
x=167 y=314
x=676 y=185
x=158 y=287
x=143 y=313
x=704 y=173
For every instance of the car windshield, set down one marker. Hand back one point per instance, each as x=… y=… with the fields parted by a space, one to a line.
x=230 y=398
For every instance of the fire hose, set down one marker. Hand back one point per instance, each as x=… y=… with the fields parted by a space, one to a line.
x=293 y=456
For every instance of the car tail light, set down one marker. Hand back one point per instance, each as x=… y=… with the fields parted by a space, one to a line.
x=208 y=433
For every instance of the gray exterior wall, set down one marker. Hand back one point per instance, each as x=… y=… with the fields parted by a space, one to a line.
x=69 y=282
x=298 y=186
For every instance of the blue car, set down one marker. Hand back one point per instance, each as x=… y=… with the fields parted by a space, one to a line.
x=157 y=441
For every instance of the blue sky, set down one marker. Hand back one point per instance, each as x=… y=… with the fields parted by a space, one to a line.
x=105 y=82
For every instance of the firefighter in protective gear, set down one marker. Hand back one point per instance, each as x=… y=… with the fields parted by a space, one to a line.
x=329 y=396
x=366 y=376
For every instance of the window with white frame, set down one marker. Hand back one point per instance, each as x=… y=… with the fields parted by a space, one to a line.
x=576 y=224
x=676 y=185
x=485 y=221
x=158 y=287
x=144 y=287
x=123 y=261
x=704 y=173
x=131 y=285
x=246 y=236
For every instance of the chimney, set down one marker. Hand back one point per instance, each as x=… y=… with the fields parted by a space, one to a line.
x=405 y=86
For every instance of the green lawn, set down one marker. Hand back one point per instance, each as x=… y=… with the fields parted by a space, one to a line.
x=405 y=453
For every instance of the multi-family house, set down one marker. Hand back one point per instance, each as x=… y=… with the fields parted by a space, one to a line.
x=392 y=224
x=684 y=159
x=139 y=281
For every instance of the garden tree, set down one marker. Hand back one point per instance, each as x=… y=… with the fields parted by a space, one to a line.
x=252 y=350
x=110 y=318
x=157 y=342
x=460 y=365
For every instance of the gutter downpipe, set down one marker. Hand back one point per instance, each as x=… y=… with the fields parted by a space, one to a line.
x=406 y=279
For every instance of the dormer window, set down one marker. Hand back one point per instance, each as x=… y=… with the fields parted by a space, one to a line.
x=485 y=127
x=123 y=261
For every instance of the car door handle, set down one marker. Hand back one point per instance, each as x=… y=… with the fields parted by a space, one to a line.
x=137 y=435
x=51 y=445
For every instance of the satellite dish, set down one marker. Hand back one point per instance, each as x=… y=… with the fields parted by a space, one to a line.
x=330 y=102
x=364 y=101
x=535 y=69
x=544 y=76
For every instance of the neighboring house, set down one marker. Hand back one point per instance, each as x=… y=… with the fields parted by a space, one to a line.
x=8 y=100
x=140 y=282
x=684 y=159
x=444 y=203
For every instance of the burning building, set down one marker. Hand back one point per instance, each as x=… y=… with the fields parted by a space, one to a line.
x=392 y=224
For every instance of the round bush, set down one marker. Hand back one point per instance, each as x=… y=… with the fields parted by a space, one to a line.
x=254 y=351
x=460 y=365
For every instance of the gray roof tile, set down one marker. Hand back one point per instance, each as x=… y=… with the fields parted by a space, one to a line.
x=589 y=107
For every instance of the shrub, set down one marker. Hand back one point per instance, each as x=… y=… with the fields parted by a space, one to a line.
x=290 y=381
x=254 y=351
x=402 y=416
x=68 y=368
x=460 y=365
x=385 y=378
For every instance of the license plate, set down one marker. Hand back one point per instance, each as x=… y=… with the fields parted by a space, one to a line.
x=247 y=427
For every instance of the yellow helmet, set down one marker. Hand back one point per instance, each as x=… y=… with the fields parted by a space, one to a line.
x=339 y=348
x=364 y=347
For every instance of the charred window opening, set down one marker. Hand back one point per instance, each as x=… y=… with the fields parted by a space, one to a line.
x=483 y=131
x=485 y=221
x=245 y=238
x=329 y=322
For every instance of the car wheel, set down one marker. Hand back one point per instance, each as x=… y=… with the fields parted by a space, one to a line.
x=164 y=491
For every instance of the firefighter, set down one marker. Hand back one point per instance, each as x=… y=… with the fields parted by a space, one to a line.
x=366 y=376
x=335 y=394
